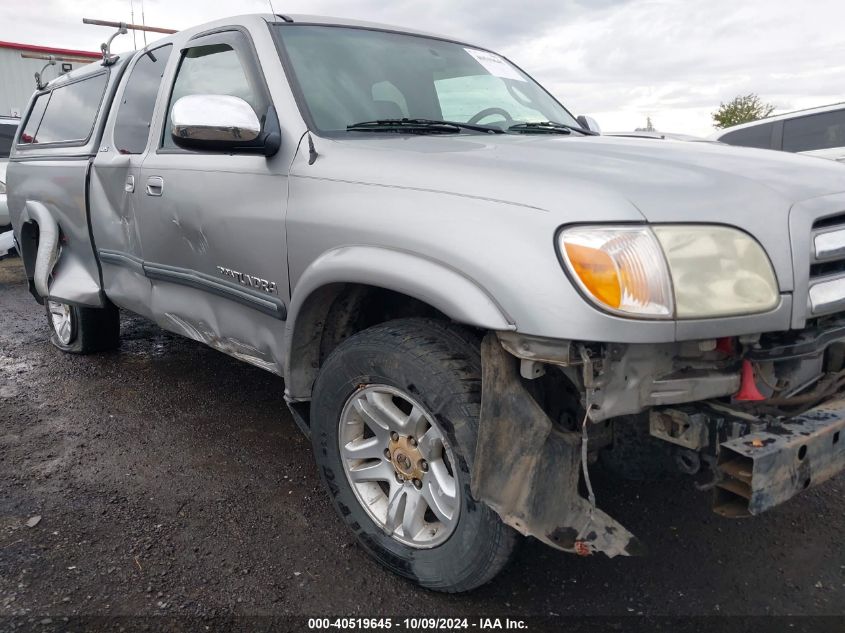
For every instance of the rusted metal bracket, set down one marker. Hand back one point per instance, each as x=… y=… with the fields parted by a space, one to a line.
x=527 y=470
x=761 y=470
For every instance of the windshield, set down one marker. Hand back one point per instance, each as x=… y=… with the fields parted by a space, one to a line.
x=353 y=75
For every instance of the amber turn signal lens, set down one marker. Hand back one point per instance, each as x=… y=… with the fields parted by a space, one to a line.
x=620 y=268
x=597 y=272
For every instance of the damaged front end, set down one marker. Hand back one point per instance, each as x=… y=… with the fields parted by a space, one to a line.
x=527 y=467
x=757 y=419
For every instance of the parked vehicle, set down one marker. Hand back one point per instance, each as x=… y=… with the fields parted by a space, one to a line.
x=8 y=126
x=815 y=132
x=469 y=295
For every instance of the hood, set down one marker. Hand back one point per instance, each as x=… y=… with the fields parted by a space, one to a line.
x=602 y=179
x=534 y=170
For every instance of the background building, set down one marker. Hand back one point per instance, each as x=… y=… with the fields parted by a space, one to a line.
x=17 y=75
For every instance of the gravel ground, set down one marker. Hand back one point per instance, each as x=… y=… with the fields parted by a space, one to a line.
x=170 y=479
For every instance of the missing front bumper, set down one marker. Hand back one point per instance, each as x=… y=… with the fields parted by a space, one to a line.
x=761 y=470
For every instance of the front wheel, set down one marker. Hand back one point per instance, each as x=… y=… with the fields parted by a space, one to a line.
x=79 y=330
x=394 y=427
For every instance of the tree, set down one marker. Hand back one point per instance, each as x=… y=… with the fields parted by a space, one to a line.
x=742 y=109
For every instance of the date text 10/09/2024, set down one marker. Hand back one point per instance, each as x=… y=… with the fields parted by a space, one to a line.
x=416 y=624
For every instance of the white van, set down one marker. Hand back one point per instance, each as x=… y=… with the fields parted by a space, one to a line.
x=815 y=132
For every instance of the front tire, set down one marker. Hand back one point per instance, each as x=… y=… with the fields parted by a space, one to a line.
x=79 y=330
x=394 y=427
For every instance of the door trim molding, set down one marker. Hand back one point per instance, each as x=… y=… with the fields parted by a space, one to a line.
x=272 y=306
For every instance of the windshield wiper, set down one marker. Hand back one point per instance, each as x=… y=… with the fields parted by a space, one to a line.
x=548 y=127
x=419 y=126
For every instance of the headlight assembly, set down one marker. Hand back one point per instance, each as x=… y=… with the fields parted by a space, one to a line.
x=717 y=271
x=621 y=268
x=670 y=271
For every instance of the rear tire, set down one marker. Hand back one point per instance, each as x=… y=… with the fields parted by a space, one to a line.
x=78 y=330
x=418 y=374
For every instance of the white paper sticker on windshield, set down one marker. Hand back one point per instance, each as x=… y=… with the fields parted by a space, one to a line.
x=495 y=65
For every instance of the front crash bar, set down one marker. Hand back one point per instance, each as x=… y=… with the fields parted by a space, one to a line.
x=763 y=469
x=527 y=469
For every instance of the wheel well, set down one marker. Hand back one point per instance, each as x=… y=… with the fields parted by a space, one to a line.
x=28 y=244
x=335 y=312
x=360 y=307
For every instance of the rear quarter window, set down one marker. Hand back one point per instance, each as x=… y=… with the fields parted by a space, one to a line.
x=754 y=136
x=66 y=114
x=34 y=118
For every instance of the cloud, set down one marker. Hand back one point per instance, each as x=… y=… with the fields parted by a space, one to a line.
x=622 y=60
x=664 y=57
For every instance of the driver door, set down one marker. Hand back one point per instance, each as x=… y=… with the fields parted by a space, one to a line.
x=212 y=223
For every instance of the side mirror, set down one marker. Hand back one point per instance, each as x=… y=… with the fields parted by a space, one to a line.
x=222 y=123
x=589 y=123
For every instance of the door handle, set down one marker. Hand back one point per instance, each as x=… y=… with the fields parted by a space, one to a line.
x=155 y=186
x=129 y=185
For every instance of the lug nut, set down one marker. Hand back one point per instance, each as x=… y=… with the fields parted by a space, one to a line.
x=423 y=465
x=412 y=441
x=417 y=484
x=399 y=478
x=387 y=453
x=394 y=436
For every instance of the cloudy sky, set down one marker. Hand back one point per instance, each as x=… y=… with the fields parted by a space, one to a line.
x=617 y=60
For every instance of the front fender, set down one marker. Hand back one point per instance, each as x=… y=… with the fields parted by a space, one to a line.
x=432 y=282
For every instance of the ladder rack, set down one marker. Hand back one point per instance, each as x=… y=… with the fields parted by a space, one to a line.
x=130 y=27
x=122 y=28
x=51 y=60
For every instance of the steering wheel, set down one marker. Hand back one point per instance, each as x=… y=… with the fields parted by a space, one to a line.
x=491 y=112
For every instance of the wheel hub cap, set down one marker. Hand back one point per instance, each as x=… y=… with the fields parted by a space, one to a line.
x=406 y=458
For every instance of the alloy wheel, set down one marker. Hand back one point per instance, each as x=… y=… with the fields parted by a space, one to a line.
x=399 y=465
x=61 y=316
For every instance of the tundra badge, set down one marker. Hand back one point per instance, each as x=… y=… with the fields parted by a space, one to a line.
x=248 y=280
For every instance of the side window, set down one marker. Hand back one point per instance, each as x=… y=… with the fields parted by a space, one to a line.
x=754 y=136
x=7 y=134
x=214 y=69
x=34 y=118
x=817 y=131
x=69 y=115
x=132 y=128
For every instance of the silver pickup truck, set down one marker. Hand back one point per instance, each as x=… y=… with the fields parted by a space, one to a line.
x=471 y=296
